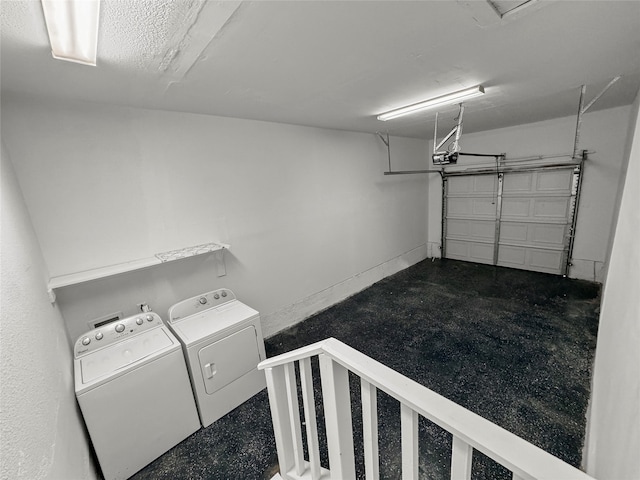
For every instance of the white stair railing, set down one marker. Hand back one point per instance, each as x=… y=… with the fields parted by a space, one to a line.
x=469 y=430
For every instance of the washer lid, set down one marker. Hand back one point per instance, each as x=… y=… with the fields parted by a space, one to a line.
x=120 y=355
x=212 y=321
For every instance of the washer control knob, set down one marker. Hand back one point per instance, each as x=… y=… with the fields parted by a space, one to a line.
x=202 y=300
x=86 y=341
x=216 y=296
x=224 y=293
x=120 y=328
x=99 y=336
x=139 y=321
x=149 y=318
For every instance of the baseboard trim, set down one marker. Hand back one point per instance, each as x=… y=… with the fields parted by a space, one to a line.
x=288 y=316
x=592 y=270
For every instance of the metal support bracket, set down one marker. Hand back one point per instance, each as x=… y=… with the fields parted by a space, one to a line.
x=583 y=109
x=448 y=155
x=386 y=142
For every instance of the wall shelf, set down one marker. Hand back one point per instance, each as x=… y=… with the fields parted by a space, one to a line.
x=157 y=259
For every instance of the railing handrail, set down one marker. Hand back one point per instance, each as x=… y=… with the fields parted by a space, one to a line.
x=524 y=459
x=298 y=354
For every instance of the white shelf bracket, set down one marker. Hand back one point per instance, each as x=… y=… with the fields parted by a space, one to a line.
x=222 y=268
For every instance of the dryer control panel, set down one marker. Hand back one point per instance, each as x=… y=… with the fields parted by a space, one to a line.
x=114 y=332
x=200 y=303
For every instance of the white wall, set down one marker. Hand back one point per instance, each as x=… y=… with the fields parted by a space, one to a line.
x=613 y=430
x=308 y=212
x=603 y=132
x=42 y=432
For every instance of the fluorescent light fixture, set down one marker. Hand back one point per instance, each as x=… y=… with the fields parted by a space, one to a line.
x=73 y=29
x=434 y=102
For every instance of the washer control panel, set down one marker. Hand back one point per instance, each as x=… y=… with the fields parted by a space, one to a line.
x=114 y=332
x=200 y=303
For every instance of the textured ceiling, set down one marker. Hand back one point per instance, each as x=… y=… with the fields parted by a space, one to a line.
x=336 y=64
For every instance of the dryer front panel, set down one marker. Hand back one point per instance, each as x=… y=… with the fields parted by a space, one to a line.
x=228 y=359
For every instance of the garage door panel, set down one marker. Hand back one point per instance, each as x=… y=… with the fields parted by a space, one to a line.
x=458 y=228
x=485 y=184
x=514 y=232
x=485 y=207
x=538 y=183
x=483 y=230
x=535 y=208
x=533 y=234
x=512 y=256
x=471 y=207
x=554 y=181
x=458 y=249
x=556 y=208
x=548 y=234
x=545 y=260
x=527 y=258
x=470 y=251
x=482 y=252
x=517 y=182
x=472 y=185
x=516 y=207
x=471 y=229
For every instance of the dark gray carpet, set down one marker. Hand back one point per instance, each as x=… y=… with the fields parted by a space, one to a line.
x=514 y=347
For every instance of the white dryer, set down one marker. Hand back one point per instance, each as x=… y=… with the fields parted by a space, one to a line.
x=133 y=388
x=223 y=344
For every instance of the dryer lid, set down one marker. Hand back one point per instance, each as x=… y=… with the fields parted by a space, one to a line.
x=120 y=355
x=212 y=321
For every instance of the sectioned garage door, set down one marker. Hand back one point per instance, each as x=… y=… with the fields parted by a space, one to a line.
x=529 y=212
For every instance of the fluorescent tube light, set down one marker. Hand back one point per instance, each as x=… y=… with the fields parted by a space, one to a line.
x=434 y=102
x=73 y=29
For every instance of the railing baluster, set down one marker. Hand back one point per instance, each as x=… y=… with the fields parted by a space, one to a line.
x=306 y=379
x=370 y=429
x=294 y=416
x=470 y=431
x=279 y=405
x=409 y=438
x=337 y=412
x=461 y=455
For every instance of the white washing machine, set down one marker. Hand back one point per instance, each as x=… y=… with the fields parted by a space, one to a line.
x=223 y=344
x=133 y=388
